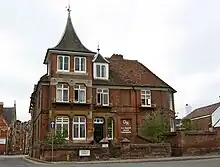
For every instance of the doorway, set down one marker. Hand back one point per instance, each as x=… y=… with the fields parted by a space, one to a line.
x=98 y=129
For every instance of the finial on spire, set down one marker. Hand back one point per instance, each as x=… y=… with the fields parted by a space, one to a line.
x=98 y=47
x=68 y=8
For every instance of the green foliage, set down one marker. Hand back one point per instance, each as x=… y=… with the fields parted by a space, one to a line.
x=187 y=124
x=154 y=126
x=58 y=138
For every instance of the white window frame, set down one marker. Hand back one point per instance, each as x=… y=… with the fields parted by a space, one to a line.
x=79 y=124
x=60 y=121
x=62 y=69
x=146 y=95
x=102 y=91
x=80 y=59
x=95 y=70
x=172 y=127
x=170 y=101
x=81 y=87
x=62 y=89
x=112 y=129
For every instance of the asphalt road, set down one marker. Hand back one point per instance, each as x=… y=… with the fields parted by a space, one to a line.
x=17 y=161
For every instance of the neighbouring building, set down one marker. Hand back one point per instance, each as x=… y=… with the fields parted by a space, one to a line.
x=91 y=97
x=3 y=131
x=206 y=117
x=9 y=114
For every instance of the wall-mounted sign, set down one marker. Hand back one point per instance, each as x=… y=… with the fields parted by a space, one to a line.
x=84 y=153
x=2 y=141
x=126 y=126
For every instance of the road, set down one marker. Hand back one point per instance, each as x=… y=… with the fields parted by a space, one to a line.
x=18 y=161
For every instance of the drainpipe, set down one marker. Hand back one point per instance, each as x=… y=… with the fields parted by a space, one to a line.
x=136 y=105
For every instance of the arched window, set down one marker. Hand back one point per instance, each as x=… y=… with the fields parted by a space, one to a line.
x=110 y=128
x=79 y=127
x=62 y=126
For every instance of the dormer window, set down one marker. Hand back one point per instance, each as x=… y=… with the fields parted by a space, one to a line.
x=63 y=63
x=100 y=71
x=80 y=64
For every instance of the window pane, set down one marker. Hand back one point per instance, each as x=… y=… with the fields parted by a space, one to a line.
x=60 y=63
x=143 y=102
x=105 y=98
x=99 y=98
x=65 y=130
x=65 y=95
x=76 y=95
x=76 y=64
x=98 y=71
x=103 y=71
x=59 y=95
x=76 y=119
x=83 y=64
x=76 y=87
x=82 y=96
x=82 y=119
x=75 y=130
x=66 y=63
x=82 y=131
x=58 y=128
x=105 y=90
x=66 y=86
x=110 y=128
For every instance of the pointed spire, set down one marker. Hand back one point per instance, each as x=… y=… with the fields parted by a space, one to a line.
x=70 y=40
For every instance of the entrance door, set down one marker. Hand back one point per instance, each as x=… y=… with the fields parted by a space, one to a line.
x=98 y=129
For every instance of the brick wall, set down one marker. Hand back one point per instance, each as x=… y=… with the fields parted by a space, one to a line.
x=194 y=142
x=203 y=123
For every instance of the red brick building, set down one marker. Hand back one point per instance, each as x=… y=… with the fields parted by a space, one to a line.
x=91 y=97
x=3 y=131
x=205 y=117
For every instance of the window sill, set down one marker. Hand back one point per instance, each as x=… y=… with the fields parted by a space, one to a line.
x=147 y=107
x=103 y=106
x=100 y=78
x=80 y=73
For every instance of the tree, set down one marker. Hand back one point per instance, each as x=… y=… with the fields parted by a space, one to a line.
x=58 y=139
x=187 y=124
x=154 y=126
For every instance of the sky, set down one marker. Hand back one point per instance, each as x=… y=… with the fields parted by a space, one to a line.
x=177 y=40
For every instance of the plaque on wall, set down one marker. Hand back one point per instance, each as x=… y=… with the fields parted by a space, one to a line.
x=84 y=153
x=126 y=126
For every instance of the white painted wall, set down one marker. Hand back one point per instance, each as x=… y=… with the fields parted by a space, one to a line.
x=216 y=117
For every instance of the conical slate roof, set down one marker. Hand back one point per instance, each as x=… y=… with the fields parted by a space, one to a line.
x=70 y=40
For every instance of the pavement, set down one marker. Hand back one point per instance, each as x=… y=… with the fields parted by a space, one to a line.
x=198 y=161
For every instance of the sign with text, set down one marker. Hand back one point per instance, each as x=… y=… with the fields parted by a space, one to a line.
x=83 y=153
x=126 y=126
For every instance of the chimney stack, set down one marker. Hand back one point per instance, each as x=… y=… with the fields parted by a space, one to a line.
x=188 y=109
x=1 y=109
x=117 y=57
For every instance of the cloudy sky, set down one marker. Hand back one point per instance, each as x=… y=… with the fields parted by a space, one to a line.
x=177 y=39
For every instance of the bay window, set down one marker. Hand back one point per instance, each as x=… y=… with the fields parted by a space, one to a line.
x=79 y=127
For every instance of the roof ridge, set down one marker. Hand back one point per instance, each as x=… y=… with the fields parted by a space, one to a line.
x=207 y=106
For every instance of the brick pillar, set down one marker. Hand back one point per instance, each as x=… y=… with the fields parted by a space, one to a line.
x=125 y=148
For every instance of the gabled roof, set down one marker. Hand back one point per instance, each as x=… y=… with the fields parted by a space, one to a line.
x=123 y=72
x=98 y=58
x=70 y=41
x=203 y=111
